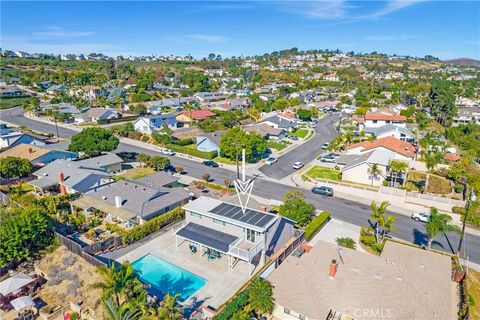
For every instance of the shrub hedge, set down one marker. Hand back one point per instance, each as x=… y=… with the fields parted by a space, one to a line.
x=316 y=223
x=238 y=303
x=141 y=231
x=193 y=152
x=183 y=142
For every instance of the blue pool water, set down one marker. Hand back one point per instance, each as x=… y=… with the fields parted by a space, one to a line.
x=164 y=277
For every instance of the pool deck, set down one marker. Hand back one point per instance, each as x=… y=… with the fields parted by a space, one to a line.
x=222 y=282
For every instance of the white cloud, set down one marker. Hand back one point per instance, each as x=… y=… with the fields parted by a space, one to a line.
x=392 y=6
x=391 y=37
x=63 y=48
x=186 y=39
x=58 y=32
x=326 y=10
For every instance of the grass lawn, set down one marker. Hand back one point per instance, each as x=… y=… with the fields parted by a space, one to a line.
x=473 y=285
x=300 y=133
x=133 y=174
x=224 y=160
x=276 y=145
x=324 y=173
x=436 y=184
x=12 y=102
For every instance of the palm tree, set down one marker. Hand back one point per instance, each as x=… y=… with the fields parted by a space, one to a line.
x=396 y=166
x=374 y=170
x=387 y=225
x=377 y=215
x=260 y=296
x=170 y=309
x=118 y=282
x=113 y=311
x=438 y=223
x=431 y=160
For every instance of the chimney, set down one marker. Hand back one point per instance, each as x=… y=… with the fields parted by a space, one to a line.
x=63 y=189
x=30 y=150
x=118 y=201
x=332 y=270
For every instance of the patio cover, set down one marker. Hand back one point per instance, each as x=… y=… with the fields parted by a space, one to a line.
x=22 y=302
x=208 y=237
x=43 y=183
x=14 y=283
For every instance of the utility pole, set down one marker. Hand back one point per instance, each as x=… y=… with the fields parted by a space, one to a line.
x=471 y=197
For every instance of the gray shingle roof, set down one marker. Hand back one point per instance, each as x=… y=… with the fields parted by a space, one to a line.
x=157 y=180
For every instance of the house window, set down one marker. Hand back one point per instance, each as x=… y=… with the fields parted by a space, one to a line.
x=285 y=310
x=196 y=215
x=220 y=222
x=374 y=121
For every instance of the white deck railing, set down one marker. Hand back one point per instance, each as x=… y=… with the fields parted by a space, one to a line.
x=244 y=254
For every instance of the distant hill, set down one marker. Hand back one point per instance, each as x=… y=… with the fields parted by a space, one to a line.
x=464 y=62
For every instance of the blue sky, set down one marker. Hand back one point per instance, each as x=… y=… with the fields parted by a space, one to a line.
x=447 y=29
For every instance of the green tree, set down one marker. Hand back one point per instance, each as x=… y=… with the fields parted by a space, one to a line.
x=441 y=101
x=304 y=114
x=235 y=139
x=396 y=166
x=260 y=296
x=93 y=141
x=293 y=195
x=296 y=208
x=170 y=310
x=373 y=171
x=438 y=223
x=376 y=218
x=114 y=311
x=120 y=283
x=13 y=167
x=431 y=158
x=157 y=163
x=161 y=137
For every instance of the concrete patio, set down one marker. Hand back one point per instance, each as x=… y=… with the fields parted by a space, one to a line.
x=222 y=282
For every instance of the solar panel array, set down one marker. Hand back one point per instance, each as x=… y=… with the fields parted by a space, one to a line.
x=253 y=217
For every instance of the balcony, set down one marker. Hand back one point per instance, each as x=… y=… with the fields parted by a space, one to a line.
x=245 y=250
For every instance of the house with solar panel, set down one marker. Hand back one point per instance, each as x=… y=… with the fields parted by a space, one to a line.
x=251 y=236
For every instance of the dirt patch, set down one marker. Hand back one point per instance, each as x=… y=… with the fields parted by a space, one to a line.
x=473 y=284
x=69 y=280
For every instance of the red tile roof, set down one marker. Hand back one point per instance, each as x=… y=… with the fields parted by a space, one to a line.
x=199 y=114
x=452 y=157
x=384 y=117
x=401 y=147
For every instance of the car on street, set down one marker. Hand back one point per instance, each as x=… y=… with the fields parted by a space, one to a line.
x=421 y=216
x=324 y=191
x=168 y=152
x=210 y=163
x=271 y=160
x=293 y=138
x=325 y=145
x=327 y=158
x=298 y=165
x=127 y=156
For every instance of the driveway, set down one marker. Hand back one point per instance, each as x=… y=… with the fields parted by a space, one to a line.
x=308 y=151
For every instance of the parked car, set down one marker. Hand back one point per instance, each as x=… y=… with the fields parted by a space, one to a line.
x=327 y=158
x=210 y=163
x=293 y=138
x=325 y=145
x=168 y=152
x=325 y=191
x=127 y=156
x=298 y=165
x=271 y=160
x=421 y=216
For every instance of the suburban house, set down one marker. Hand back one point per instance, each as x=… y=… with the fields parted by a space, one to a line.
x=206 y=97
x=36 y=155
x=133 y=201
x=209 y=141
x=56 y=88
x=403 y=150
x=467 y=115
x=390 y=130
x=251 y=236
x=10 y=92
x=148 y=124
x=279 y=122
x=356 y=167
x=116 y=93
x=62 y=108
x=95 y=114
x=195 y=115
x=266 y=131
x=44 y=84
x=379 y=119
x=11 y=138
x=326 y=282
x=94 y=92
x=80 y=176
x=331 y=77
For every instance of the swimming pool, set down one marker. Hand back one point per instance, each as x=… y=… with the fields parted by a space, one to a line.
x=164 y=277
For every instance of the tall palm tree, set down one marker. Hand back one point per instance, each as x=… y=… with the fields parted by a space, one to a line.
x=431 y=160
x=170 y=310
x=118 y=282
x=438 y=223
x=373 y=171
x=260 y=296
x=377 y=215
x=113 y=311
x=396 y=166
x=387 y=225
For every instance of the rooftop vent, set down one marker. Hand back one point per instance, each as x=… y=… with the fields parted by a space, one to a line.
x=104 y=198
x=399 y=279
x=377 y=276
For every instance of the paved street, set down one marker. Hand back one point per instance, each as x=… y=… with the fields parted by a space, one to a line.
x=341 y=209
x=306 y=152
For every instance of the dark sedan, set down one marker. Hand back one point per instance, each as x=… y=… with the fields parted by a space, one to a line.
x=324 y=191
x=210 y=163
